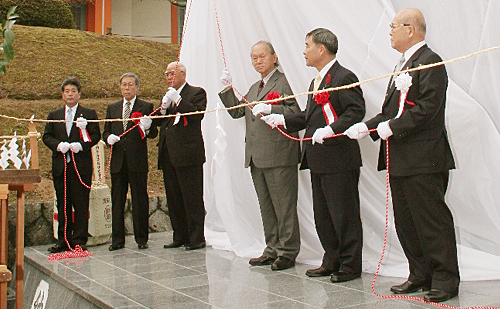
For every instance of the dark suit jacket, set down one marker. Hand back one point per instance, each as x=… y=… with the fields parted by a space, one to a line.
x=266 y=148
x=184 y=143
x=55 y=132
x=131 y=144
x=420 y=142
x=336 y=154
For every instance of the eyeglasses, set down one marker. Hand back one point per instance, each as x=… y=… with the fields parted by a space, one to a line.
x=398 y=25
x=171 y=73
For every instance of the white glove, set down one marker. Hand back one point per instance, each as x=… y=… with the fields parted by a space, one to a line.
x=357 y=131
x=165 y=102
x=261 y=108
x=320 y=134
x=226 y=78
x=274 y=120
x=173 y=95
x=145 y=123
x=383 y=130
x=76 y=147
x=112 y=139
x=81 y=123
x=63 y=147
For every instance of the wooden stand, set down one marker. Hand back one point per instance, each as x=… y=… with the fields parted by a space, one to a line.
x=5 y=274
x=20 y=181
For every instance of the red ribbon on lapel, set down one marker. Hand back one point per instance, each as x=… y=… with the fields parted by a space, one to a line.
x=136 y=121
x=329 y=113
x=84 y=135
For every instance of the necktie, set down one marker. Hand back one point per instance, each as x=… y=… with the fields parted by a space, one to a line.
x=126 y=115
x=69 y=121
x=317 y=82
x=398 y=67
x=261 y=86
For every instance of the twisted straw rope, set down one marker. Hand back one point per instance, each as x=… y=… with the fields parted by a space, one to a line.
x=30 y=134
x=419 y=68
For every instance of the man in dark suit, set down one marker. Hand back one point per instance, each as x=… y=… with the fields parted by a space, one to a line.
x=334 y=163
x=181 y=154
x=272 y=158
x=69 y=140
x=420 y=160
x=129 y=161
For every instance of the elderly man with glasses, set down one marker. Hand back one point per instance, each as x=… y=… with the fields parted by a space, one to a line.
x=413 y=122
x=181 y=154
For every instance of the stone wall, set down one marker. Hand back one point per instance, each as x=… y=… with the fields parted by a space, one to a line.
x=38 y=220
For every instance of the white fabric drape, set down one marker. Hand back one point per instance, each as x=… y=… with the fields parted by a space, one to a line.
x=473 y=116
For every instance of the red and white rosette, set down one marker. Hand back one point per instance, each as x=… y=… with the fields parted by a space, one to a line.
x=138 y=115
x=329 y=113
x=403 y=84
x=81 y=123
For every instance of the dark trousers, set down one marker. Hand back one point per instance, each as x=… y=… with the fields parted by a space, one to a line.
x=77 y=199
x=184 y=190
x=337 y=219
x=140 y=204
x=425 y=229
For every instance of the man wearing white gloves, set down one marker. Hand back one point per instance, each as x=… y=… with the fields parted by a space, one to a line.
x=335 y=162
x=68 y=141
x=413 y=120
x=181 y=154
x=272 y=157
x=129 y=161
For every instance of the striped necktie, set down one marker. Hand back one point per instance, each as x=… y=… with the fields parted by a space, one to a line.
x=126 y=115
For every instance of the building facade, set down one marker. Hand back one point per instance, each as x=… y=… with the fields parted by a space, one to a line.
x=156 y=20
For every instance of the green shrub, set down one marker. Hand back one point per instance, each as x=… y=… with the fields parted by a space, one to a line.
x=45 y=13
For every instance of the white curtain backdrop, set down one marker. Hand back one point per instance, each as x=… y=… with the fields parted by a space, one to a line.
x=455 y=28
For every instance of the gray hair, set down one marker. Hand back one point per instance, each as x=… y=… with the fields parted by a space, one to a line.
x=271 y=49
x=180 y=67
x=130 y=74
x=325 y=37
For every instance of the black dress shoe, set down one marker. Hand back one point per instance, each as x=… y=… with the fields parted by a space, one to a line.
x=407 y=287
x=282 y=263
x=343 y=276
x=174 y=244
x=261 y=260
x=114 y=247
x=57 y=248
x=319 y=272
x=196 y=246
x=143 y=246
x=437 y=296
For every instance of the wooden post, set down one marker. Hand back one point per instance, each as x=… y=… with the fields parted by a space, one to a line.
x=20 y=249
x=33 y=145
x=4 y=242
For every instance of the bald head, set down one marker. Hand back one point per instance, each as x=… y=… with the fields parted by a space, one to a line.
x=408 y=28
x=415 y=18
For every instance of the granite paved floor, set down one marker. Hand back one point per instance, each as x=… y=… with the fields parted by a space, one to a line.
x=209 y=278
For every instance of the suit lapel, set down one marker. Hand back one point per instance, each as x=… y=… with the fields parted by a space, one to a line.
x=271 y=83
x=74 y=129
x=311 y=103
x=391 y=88
x=185 y=92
